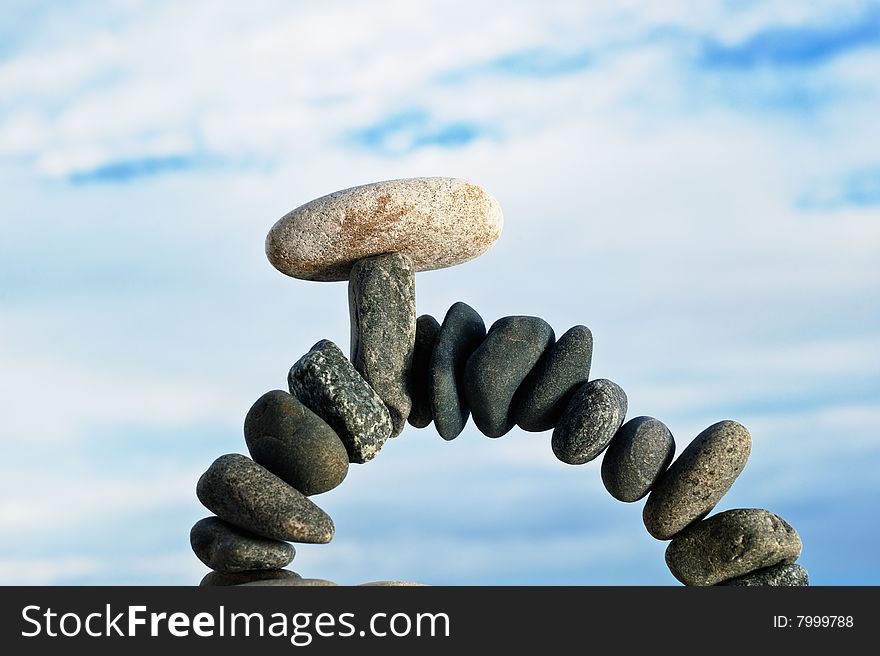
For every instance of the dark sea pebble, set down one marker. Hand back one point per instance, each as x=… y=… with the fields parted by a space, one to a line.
x=494 y=372
x=593 y=415
x=791 y=575
x=639 y=453
x=215 y=579
x=294 y=443
x=226 y=548
x=427 y=332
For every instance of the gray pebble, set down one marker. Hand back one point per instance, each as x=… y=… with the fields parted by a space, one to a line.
x=215 y=579
x=494 y=372
x=226 y=548
x=697 y=480
x=592 y=417
x=327 y=383
x=639 y=452
x=394 y=584
x=288 y=583
x=427 y=331
x=462 y=332
x=792 y=575
x=382 y=305
x=294 y=443
x=245 y=494
x=731 y=544
x=546 y=391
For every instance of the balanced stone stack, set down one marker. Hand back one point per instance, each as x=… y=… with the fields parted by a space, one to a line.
x=403 y=368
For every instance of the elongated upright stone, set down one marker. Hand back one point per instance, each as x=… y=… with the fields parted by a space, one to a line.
x=592 y=417
x=226 y=548
x=382 y=305
x=329 y=385
x=249 y=496
x=697 y=480
x=427 y=332
x=731 y=544
x=639 y=453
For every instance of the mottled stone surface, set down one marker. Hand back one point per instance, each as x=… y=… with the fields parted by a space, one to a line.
x=697 y=480
x=289 y=583
x=438 y=222
x=294 y=443
x=226 y=548
x=214 y=579
x=395 y=584
x=731 y=544
x=591 y=418
x=462 y=332
x=546 y=391
x=245 y=494
x=498 y=367
x=427 y=332
x=639 y=453
x=329 y=385
x=382 y=307
x=792 y=575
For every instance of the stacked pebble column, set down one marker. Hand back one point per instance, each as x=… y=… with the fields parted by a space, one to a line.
x=403 y=368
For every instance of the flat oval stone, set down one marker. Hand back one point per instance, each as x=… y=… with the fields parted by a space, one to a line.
x=215 y=579
x=639 y=453
x=329 y=385
x=288 y=583
x=382 y=306
x=394 y=584
x=294 y=443
x=245 y=494
x=427 y=331
x=792 y=575
x=438 y=222
x=697 y=480
x=225 y=548
x=592 y=417
x=462 y=332
x=546 y=391
x=731 y=544
x=494 y=372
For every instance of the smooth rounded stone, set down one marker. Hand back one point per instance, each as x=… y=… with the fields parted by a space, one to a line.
x=289 y=583
x=246 y=494
x=546 y=391
x=382 y=307
x=329 y=385
x=791 y=575
x=697 y=480
x=438 y=222
x=214 y=579
x=591 y=418
x=427 y=332
x=639 y=453
x=226 y=548
x=462 y=332
x=731 y=544
x=393 y=584
x=294 y=443
x=494 y=372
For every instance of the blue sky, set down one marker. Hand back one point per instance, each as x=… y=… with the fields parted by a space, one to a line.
x=699 y=183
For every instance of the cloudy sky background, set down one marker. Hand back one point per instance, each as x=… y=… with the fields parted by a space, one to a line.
x=699 y=183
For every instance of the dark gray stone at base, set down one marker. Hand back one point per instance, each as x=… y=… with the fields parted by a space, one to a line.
x=382 y=307
x=546 y=391
x=592 y=417
x=245 y=494
x=215 y=579
x=462 y=332
x=792 y=575
x=294 y=443
x=427 y=332
x=495 y=371
x=289 y=583
x=226 y=548
x=329 y=385
x=639 y=453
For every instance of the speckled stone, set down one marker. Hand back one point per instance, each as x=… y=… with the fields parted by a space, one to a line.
x=294 y=443
x=546 y=391
x=792 y=575
x=731 y=544
x=697 y=480
x=245 y=494
x=427 y=332
x=215 y=579
x=462 y=332
x=438 y=222
x=329 y=385
x=639 y=452
x=494 y=372
x=394 y=584
x=226 y=548
x=382 y=307
x=591 y=418
x=288 y=583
